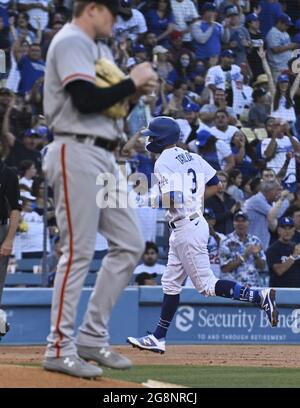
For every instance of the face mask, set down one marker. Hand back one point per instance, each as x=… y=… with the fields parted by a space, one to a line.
x=184 y=62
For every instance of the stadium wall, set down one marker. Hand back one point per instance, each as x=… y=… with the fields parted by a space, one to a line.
x=199 y=320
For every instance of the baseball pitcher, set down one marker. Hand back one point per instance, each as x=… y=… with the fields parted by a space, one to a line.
x=86 y=98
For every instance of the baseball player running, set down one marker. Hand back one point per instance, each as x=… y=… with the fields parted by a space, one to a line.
x=183 y=179
x=85 y=137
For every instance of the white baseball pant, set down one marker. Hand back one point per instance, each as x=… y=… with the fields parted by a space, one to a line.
x=188 y=256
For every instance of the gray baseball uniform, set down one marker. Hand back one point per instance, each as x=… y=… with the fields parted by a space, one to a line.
x=72 y=169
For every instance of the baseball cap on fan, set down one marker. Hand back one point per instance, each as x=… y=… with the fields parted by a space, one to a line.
x=209 y=213
x=240 y=214
x=30 y=133
x=125 y=8
x=208 y=6
x=286 y=222
x=159 y=49
x=137 y=48
x=231 y=11
x=202 y=137
x=251 y=17
x=283 y=78
x=228 y=53
x=285 y=18
x=190 y=106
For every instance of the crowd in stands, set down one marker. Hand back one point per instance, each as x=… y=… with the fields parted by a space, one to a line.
x=229 y=74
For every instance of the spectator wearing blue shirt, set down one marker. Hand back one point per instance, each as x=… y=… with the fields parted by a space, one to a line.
x=279 y=45
x=239 y=40
x=264 y=208
x=145 y=165
x=208 y=35
x=144 y=162
x=284 y=257
x=198 y=77
x=214 y=151
x=224 y=4
x=31 y=68
x=189 y=124
x=160 y=21
x=259 y=109
x=270 y=10
x=22 y=29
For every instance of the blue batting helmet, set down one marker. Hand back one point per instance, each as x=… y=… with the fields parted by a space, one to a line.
x=162 y=131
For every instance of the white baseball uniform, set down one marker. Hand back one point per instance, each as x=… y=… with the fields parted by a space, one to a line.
x=179 y=170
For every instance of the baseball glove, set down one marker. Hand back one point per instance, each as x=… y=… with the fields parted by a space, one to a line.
x=108 y=74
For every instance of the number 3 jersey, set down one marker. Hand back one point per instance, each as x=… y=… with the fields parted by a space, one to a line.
x=181 y=171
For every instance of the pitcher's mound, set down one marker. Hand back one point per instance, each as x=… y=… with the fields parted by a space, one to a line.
x=34 y=377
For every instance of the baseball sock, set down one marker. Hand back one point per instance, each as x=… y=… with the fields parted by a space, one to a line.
x=168 y=310
x=233 y=290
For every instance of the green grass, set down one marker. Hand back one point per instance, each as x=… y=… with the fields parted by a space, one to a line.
x=212 y=376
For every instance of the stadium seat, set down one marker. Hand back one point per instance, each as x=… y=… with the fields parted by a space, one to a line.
x=26 y=265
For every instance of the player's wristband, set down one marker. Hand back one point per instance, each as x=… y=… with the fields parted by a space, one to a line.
x=293 y=258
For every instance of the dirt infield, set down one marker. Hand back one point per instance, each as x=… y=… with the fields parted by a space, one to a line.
x=13 y=373
x=32 y=377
